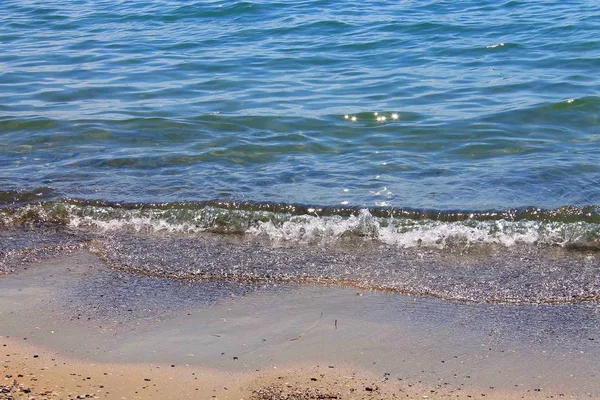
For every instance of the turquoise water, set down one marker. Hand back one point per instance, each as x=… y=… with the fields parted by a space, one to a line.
x=497 y=103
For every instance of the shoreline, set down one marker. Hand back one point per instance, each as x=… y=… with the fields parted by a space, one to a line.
x=270 y=342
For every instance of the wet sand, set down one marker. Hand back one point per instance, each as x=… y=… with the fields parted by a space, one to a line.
x=268 y=342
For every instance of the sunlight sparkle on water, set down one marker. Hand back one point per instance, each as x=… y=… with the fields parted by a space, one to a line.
x=379 y=117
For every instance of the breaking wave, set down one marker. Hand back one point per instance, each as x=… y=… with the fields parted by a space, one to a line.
x=577 y=227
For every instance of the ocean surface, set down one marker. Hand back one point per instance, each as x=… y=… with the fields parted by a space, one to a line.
x=431 y=147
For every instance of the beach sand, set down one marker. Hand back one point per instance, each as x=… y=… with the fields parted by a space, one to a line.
x=34 y=372
x=73 y=327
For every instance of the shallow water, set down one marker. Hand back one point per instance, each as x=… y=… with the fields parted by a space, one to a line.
x=519 y=274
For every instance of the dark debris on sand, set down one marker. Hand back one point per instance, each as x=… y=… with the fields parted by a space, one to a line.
x=15 y=390
x=291 y=393
x=357 y=391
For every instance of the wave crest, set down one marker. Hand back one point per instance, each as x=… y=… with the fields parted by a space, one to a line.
x=567 y=227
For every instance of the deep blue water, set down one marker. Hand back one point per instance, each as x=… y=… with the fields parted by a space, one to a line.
x=498 y=102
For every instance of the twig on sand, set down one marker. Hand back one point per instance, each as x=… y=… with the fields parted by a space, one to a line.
x=308 y=330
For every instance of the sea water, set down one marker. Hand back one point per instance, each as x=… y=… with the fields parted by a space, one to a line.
x=431 y=147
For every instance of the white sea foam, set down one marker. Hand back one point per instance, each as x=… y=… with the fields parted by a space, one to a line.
x=313 y=228
x=133 y=224
x=407 y=233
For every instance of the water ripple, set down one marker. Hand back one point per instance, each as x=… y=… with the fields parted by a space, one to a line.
x=497 y=102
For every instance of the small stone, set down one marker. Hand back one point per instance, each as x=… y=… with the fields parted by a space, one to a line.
x=147 y=379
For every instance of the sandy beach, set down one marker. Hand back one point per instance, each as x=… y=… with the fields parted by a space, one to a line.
x=34 y=372
x=72 y=327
